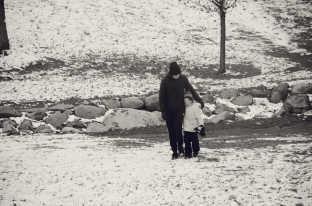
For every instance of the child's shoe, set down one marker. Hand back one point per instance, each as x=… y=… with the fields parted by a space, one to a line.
x=181 y=154
x=195 y=154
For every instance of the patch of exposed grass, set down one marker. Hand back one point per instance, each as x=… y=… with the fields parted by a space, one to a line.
x=48 y=64
x=233 y=71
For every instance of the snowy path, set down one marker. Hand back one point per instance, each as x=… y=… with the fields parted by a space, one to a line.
x=80 y=170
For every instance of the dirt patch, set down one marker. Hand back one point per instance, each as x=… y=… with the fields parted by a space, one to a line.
x=247 y=134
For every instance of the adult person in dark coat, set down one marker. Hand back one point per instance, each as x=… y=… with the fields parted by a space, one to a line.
x=171 y=102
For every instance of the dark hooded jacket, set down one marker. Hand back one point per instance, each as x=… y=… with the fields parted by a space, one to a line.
x=172 y=91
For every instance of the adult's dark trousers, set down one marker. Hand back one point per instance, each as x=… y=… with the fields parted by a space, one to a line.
x=191 y=143
x=174 y=124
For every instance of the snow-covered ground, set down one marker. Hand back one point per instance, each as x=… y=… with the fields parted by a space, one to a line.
x=162 y=30
x=82 y=170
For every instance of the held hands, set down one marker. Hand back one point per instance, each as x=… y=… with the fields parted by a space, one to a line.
x=200 y=130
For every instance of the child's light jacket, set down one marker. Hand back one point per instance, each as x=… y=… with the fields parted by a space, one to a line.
x=192 y=118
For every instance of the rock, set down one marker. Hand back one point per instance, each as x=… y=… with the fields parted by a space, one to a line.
x=11 y=122
x=228 y=94
x=297 y=103
x=71 y=130
x=7 y=127
x=243 y=100
x=44 y=129
x=279 y=113
x=254 y=90
x=222 y=117
x=208 y=98
x=152 y=102
x=75 y=124
x=308 y=113
x=26 y=126
x=279 y=93
x=9 y=111
x=222 y=107
x=133 y=103
x=130 y=118
x=36 y=115
x=159 y=117
x=206 y=112
x=68 y=112
x=34 y=110
x=258 y=93
x=56 y=120
x=96 y=127
x=243 y=110
x=89 y=112
x=301 y=88
x=111 y=104
x=61 y=107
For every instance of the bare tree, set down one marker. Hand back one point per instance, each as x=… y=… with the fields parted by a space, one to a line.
x=221 y=6
x=4 y=40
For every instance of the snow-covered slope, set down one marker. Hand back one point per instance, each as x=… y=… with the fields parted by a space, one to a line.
x=164 y=30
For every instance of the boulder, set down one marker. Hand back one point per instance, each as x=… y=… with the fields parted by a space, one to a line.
x=258 y=93
x=308 y=113
x=228 y=94
x=243 y=100
x=36 y=115
x=133 y=103
x=11 y=122
x=71 y=130
x=75 y=124
x=57 y=119
x=152 y=102
x=89 y=112
x=111 y=104
x=222 y=117
x=301 y=88
x=243 y=110
x=130 y=118
x=9 y=111
x=159 y=117
x=61 y=107
x=279 y=113
x=297 y=103
x=96 y=127
x=34 y=110
x=208 y=98
x=279 y=93
x=68 y=112
x=222 y=107
x=7 y=127
x=44 y=129
x=26 y=126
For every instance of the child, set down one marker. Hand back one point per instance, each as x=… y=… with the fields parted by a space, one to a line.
x=192 y=120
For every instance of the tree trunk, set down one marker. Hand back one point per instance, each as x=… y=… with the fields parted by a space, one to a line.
x=4 y=40
x=222 y=44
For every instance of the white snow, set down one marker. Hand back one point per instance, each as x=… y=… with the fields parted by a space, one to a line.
x=161 y=30
x=82 y=170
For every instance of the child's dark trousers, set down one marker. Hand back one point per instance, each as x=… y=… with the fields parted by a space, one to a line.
x=191 y=143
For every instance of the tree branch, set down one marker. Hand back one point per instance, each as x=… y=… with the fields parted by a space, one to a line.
x=216 y=3
x=230 y=5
